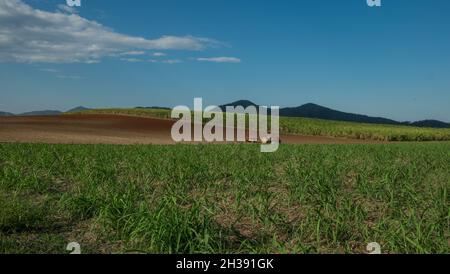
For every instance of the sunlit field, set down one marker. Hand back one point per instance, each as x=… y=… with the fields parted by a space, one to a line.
x=316 y=127
x=225 y=198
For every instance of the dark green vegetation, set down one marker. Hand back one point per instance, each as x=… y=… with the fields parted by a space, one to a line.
x=77 y=109
x=316 y=127
x=319 y=112
x=225 y=198
x=5 y=114
x=41 y=113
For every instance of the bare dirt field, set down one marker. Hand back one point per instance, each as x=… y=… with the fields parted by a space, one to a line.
x=111 y=129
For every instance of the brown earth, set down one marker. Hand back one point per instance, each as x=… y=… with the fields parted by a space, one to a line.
x=111 y=129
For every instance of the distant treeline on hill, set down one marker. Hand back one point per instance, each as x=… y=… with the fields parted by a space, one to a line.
x=320 y=112
x=304 y=111
x=164 y=108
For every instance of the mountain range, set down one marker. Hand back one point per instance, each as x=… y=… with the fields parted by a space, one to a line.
x=319 y=112
x=41 y=113
x=77 y=109
x=44 y=112
x=6 y=113
x=307 y=111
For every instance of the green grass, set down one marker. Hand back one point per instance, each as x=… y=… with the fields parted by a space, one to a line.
x=304 y=126
x=157 y=113
x=225 y=198
x=316 y=127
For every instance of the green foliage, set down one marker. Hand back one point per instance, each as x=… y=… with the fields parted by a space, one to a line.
x=304 y=126
x=139 y=112
x=225 y=198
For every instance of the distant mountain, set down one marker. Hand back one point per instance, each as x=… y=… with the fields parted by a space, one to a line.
x=78 y=109
x=41 y=113
x=430 y=123
x=243 y=103
x=307 y=111
x=319 y=112
x=6 y=113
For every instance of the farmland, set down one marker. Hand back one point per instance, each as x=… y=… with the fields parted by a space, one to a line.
x=113 y=129
x=225 y=198
x=316 y=127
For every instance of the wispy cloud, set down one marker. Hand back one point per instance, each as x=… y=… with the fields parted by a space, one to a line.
x=171 y=62
x=136 y=60
x=67 y=9
x=31 y=35
x=49 y=70
x=132 y=53
x=220 y=60
x=60 y=74
x=131 y=60
x=159 y=54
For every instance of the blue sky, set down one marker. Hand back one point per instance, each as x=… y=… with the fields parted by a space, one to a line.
x=392 y=61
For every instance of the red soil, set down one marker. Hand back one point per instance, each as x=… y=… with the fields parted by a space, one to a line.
x=111 y=129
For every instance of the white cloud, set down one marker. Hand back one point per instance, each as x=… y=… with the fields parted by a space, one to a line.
x=168 y=61
x=135 y=52
x=220 y=60
x=159 y=54
x=131 y=60
x=171 y=62
x=67 y=9
x=31 y=35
